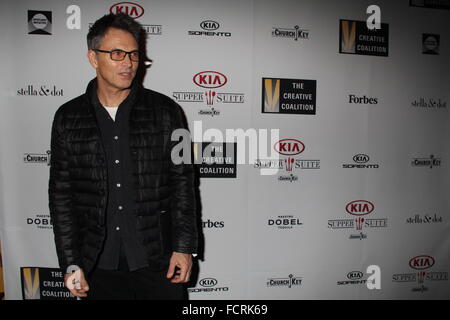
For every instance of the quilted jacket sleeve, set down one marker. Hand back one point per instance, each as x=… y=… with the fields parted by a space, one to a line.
x=64 y=222
x=183 y=195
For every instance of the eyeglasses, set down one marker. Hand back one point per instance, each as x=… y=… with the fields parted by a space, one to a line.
x=119 y=55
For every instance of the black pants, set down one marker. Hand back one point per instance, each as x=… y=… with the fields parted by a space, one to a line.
x=142 y=284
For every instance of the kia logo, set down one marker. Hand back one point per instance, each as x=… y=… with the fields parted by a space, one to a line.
x=360 y=207
x=355 y=275
x=208 y=282
x=209 y=25
x=289 y=147
x=421 y=262
x=361 y=158
x=210 y=79
x=132 y=9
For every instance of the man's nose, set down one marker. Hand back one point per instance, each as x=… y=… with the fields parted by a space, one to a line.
x=127 y=61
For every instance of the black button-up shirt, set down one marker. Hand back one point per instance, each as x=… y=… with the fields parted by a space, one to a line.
x=121 y=250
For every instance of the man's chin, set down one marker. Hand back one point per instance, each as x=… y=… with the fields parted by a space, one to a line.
x=124 y=84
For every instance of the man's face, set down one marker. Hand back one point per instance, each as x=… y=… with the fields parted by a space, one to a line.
x=110 y=73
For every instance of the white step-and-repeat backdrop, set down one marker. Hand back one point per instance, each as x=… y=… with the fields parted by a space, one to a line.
x=359 y=205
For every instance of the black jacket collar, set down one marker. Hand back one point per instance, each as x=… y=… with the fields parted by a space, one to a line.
x=92 y=97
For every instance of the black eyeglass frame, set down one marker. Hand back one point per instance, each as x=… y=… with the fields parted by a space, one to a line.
x=120 y=50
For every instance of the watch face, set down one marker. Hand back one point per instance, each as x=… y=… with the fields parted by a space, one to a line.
x=72 y=268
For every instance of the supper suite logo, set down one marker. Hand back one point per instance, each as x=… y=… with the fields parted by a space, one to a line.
x=210 y=93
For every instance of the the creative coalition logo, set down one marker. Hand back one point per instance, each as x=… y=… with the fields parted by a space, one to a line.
x=209 y=82
x=43 y=284
x=215 y=159
x=361 y=99
x=430 y=43
x=361 y=161
x=208 y=285
x=210 y=28
x=285 y=222
x=40 y=222
x=288 y=282
x=37 y=158
x=360 y=209
x=289 y=149
x=356 y=38
x=429 y=162
x=40 y=91
x=39 y=22
x=423 y=265
x=288 y=96
x=294 y=33
x=429 y=104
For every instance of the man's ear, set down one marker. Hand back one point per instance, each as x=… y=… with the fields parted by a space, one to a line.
x=92 y=57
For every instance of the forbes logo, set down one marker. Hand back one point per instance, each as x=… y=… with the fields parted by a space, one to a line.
x=208 y=282
x=359 y=207
x=132 y=9
x=421 y=262
x=213 y=224
x=289 y=147
x=210 y=79
x=209 y=25
x=362 y=100
x=361 y=158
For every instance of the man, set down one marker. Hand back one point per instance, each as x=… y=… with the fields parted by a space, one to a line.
x=124 y=214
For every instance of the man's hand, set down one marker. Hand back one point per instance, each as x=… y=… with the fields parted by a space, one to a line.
x=184 y=262
x=76 y=283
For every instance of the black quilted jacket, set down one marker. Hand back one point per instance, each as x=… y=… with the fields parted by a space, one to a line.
x=165 y=197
